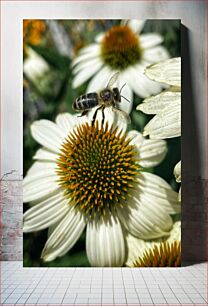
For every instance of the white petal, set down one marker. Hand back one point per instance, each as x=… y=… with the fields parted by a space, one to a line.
x=168 y=72
x=158 y=188
x=85 y=74
x=46 y=213
x=150 y=179
x=110 y=116
x=150 y=40
x=48 y=134
x=155 y=54
x=145 y=220
x=177 y=172
x=76 y=121
x=66 y=122
x=44 y=154
x=136 y=81
x=39 y=184
x=64 y=236
x=105 y=243
x=52 y=228
x=155 y=214
x=166 y=124
x=99 y=37
x=86 y=54
x=92 y=49
x=40 y=166
x=136 y=25
x=100 y=80
x=167 y=199
x=137 y=139
x=175 y=234
x=87 y=64
x=139 y=83
x=179 y=195
x=137 y=247
x=128 y=94
x=152 y=87
x=152 y=152
x=119 y=121
x=147 y=214
x=156 y=104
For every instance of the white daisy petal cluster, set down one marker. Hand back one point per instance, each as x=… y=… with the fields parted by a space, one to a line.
x=90 y=177
x=166 y=106
x=122 y=48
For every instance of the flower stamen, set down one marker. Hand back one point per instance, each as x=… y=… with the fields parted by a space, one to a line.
x=120 y=48
x=165 y=255
x=97 y=168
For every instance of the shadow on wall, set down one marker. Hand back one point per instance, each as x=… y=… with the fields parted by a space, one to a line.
x=194 y=204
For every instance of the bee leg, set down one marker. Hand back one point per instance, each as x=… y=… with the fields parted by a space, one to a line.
x=94 y=116
x=103 y=116
x=83 y=113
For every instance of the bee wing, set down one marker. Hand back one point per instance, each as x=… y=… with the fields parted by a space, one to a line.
x=112 y=80
x=122 y=115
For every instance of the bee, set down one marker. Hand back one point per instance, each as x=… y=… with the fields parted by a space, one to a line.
x=108 y=97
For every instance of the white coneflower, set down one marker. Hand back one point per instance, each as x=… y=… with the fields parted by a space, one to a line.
x=163 y=252
x=166 y=105
x=91 y=176
x=122 y=49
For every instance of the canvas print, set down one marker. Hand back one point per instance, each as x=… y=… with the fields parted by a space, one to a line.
x=102 y=130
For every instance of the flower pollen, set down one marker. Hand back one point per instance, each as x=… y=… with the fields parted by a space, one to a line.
x=97 y=168
x=120 y=48
x=166 y=255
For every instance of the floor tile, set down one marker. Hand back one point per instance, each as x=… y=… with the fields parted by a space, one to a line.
x=77 y=286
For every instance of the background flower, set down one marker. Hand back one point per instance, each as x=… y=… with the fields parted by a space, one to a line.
x=121 y=48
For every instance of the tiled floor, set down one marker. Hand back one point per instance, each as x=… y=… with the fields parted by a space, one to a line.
x=97 y=286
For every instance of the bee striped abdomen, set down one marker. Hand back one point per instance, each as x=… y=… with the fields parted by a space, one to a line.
x=86 y=101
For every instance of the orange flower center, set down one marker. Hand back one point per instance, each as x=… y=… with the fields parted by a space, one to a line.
x=97 y=168
x=120 y=48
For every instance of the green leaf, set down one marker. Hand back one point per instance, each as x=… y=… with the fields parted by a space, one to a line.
x=53 y=58
x=139 y=120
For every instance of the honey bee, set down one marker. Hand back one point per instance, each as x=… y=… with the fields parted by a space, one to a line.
x=107 y=97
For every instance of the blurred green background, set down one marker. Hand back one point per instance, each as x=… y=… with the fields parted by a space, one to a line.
x=57 y=42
